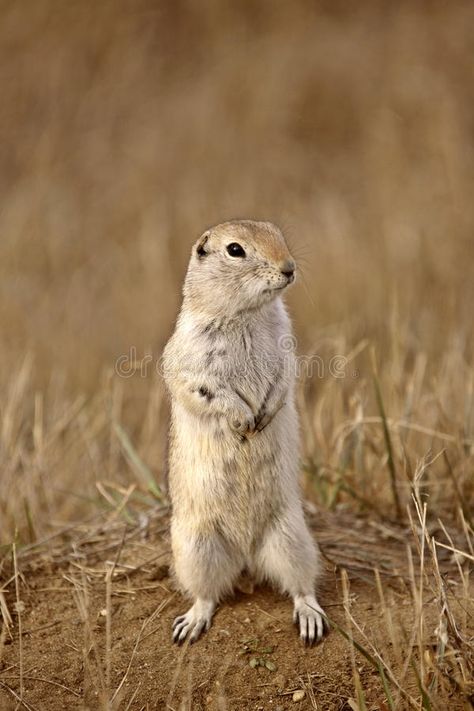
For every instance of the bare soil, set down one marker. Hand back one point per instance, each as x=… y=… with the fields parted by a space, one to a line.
x=72 y=611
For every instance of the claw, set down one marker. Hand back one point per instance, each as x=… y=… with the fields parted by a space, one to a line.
x=178 y=620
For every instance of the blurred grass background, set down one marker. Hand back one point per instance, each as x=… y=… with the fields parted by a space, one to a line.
x=129 y=127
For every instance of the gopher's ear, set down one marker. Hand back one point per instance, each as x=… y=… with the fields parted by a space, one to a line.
x=201 y=246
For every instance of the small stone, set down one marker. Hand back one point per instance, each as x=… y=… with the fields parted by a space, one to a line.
x=299 y=695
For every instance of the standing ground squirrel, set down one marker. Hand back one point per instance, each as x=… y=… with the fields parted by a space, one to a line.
x=233 y=457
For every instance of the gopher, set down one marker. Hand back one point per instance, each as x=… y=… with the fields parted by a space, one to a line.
x=234 y=449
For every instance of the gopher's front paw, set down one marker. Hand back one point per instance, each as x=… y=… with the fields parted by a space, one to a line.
x=309 y=616
x=265 y=415
x=242 y=422
x=262 y=420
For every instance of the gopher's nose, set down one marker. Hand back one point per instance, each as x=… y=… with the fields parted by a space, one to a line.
x=288 y=269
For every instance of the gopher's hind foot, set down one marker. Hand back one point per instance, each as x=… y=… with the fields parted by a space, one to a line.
x=309 y=616
x=196 y=620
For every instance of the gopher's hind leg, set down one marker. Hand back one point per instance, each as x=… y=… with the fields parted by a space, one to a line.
x=289 y=558
x=206 y=567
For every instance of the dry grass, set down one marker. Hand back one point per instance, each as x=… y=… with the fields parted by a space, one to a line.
x=127 y=129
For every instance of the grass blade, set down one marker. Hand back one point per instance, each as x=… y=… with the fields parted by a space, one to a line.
x=388 y=444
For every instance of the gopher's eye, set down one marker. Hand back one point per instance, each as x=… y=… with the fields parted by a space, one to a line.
x=235 y=250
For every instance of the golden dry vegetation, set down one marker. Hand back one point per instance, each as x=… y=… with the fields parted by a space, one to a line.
x=129 y=127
